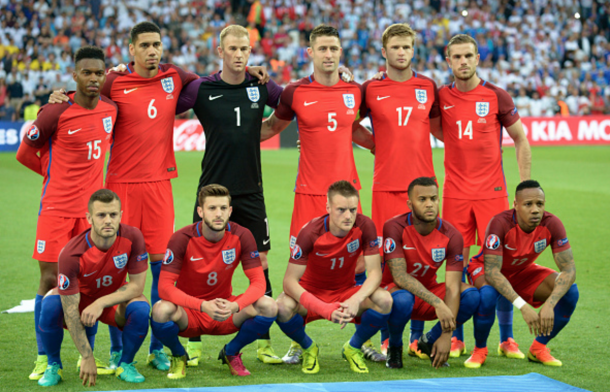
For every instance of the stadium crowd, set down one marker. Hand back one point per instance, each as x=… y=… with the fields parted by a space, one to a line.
x=552 y=56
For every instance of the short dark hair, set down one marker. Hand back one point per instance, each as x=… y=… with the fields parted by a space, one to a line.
x=141 y=28
x=323 y=31
x=421 y=181
x=527 y=184
x=89 y=52
x=103 y=195
x=212 y=190
x=343 y=188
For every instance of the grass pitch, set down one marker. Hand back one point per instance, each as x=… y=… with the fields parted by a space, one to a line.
x=577 y=185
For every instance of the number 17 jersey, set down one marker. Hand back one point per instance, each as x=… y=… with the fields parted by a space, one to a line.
x=472 y=129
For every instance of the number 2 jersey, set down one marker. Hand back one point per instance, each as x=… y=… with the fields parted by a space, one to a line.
x=472 y=131
x=73 y=142
x=424 y=254
x=325 y=115
x=143 y=145
x=84 y=269
x=330 y=260
x=203 y=270
x=519 y=249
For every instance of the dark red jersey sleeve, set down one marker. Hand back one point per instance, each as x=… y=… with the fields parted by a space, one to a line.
x=249 y=253
x=364 y=110
x=45 y=125
x=185 y=77
x=284 y=108
x=494 y=237
x=370 y=243
x=176 y=249
x=138 y=258
x=507 y=111
x=392 y=240
x=304 y=245
x=455 y=249
x=68 y=266
x=111 y=76
x=559 y=238
x=435 y=110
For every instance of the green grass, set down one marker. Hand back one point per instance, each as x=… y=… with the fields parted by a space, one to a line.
x=577 y=184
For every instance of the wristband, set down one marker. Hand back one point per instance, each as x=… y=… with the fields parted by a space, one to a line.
x=519 y=302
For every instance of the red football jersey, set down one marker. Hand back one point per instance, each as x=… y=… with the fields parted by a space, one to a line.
x=330 y=260
x=206 y=268
x=324 y=117
x=424 y=254
x=472 y=129
x=73 y=142
x=400 y=113
x=143 y=145
x=85 y=269
x=519 y=249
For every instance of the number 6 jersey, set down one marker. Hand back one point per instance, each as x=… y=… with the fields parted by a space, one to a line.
x=472 y=129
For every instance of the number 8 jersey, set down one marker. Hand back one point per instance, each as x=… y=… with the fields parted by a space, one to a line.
x=472 y=129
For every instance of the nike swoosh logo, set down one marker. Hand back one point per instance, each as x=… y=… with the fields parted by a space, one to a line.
x=265 y=242
x=448 y=107
x=130 y=91
x=380 y=98
x=87 y=275
x=408 y=248
x=509 y=248
x=213 y=98
x=194 y=259
x=70 y=132
x=322 y=254
x=309 y=103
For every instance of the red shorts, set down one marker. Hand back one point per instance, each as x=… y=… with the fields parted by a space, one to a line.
x=330 y=297
x=53 y=233
x=108 y=314
x=524 y=282
x=202 y=324
x=421 y=309
x=307 y=207
x=387 y=205
x=470 y=216
x=149 y=206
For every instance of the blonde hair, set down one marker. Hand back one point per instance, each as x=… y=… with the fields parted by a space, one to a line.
x=462 y=39
x=234 y=30
x=397 y=30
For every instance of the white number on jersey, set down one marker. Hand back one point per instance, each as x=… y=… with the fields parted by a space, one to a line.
x=95 y=151
x=418 y=266
x=406 y=110
x=212 y=278
x=105 y=281
x=334 y=261
x=467 y=131
x=519 y=261
x=152 y=111
x=237 y=113
x=332 y=120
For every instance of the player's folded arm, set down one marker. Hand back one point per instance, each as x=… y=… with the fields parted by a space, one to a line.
x=255 y=290
x=272 y=126
x=169 y=292
x=76 y=328
x=373 y=277
x=291 y=284
x=28 y=157
x=566 y=277
x=133 y=289
x=398 y=267
x=494 y=276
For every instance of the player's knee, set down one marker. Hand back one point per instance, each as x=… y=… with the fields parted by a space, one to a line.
x=403 y=301
x=488 y=299
x=266 y=307
x=470 y=300
x=51 y=313
x=286 y=306
x=571 y=297
x=383 y=300
x=162 y=311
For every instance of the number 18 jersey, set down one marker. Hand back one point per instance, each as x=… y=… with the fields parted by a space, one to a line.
x=472 y=129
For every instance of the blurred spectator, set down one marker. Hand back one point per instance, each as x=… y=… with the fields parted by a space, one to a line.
x=7 y=112
x=523 y=103
x=30 y=112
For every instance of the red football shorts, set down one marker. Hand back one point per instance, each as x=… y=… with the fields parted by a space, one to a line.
x=524 y=282
x=387 y=205
x=149 y=206
x=307 y=207
x=53 y=233
x=330 y=297
x=202 y=324
x=470 y=216
x=421 y=309
x=108 y=314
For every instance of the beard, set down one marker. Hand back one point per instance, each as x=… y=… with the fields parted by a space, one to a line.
x=467 y=77
x=209 y=224
x=402 y=68
x=423 y=218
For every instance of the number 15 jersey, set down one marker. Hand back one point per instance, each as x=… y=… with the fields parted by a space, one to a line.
x=472 y=129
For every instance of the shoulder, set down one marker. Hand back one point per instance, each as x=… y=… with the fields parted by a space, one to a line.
x=52 y=111
x=503 y=221
x=238 y=230
x=111 y=76
x=314 y=227
x=425 y=79
x=448 y=229
x=108 y=101
x=498 y=91
x=130 y=232
x=363 y=221
x=76 y=247
x=292 y=86
x=549 y=219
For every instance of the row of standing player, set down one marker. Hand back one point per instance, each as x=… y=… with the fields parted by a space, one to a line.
x=235 y=61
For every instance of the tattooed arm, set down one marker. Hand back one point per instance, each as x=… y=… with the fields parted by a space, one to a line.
x=127 y=292
x=563 y=282
x=493 y=276
x=407 y=282
x=69 y=304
